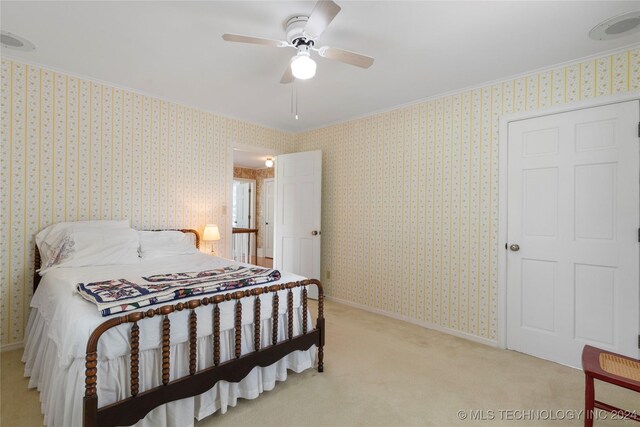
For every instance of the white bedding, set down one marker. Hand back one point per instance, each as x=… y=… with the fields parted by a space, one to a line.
x=61 y=321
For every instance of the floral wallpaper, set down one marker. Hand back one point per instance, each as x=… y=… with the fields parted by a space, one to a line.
x=410 y=196
x=73 y=149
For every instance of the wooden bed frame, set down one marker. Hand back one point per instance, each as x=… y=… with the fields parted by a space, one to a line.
x=132 y=409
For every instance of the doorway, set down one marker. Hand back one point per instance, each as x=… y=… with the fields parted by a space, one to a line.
x=269 y=210
x=254 y=237
x=573 y=211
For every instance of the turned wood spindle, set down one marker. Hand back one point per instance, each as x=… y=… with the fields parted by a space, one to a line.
x=216 y=335
x=193 y=335
x=304 y=310
x=91 y=377
x=274 y=332
x=238 y=327
x=321 y=322
x=166 y=329
x=290 y=312
x=135 y=358
x=256 y=324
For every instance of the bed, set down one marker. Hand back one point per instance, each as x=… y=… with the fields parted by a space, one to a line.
x=166 y=364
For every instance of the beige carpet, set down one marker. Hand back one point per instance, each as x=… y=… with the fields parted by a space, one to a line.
x=384 y=372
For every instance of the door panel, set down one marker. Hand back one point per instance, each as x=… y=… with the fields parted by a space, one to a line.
x=538 y=282
x=540 y=194
x=595 y=188
x=573 y=209
x=595 y=303
x=595 y=135
x=540 y=142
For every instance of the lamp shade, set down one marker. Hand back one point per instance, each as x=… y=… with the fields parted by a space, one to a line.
x=211 y=232
x=302 y=66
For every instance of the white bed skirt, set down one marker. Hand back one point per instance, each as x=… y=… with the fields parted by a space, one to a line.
x=62 y=389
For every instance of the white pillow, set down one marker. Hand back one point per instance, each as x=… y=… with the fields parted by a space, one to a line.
x=156 y=244
x=50 y=239
x=95 y=246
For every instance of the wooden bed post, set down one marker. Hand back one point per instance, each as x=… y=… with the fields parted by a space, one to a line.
x=90 y=400
x=135 y=357
x=90 y=408
x=238 y=326
x=216 y=333
x=256 y=320
x=290 y=311
x=320 y=326
x=274 y=315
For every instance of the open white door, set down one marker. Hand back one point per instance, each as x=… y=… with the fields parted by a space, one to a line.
x=242 y=205
x=573 y=233
x=297 y=217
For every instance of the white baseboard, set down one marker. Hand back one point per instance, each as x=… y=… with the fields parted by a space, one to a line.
x=428 y=325
x=12 y=346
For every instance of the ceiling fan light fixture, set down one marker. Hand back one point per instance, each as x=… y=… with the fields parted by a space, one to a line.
x=302 y=66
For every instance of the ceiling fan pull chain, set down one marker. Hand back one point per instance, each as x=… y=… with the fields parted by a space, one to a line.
x=296 y=88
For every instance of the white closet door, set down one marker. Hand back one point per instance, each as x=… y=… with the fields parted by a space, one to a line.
x=573 y=211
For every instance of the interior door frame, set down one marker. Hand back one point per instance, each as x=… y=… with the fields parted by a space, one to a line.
x=264 y=215
x=503 y=186
x=226 y=210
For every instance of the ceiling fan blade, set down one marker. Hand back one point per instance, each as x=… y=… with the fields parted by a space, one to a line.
x=322 y=15
x=346 y=56
x=254 y=40
x=287 y=77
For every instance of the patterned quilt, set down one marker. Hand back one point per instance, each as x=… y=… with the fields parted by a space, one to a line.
x=121 y=295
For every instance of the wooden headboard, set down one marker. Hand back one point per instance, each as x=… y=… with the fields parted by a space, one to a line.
x=37 y=261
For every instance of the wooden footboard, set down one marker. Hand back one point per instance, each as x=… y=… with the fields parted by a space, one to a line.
x=128 y=411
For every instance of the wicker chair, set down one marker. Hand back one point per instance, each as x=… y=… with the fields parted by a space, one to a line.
x=611 y=368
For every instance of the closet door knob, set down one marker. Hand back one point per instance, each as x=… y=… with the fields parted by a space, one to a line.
x=514 y=247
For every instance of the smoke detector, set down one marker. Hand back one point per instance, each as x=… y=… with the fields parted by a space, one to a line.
x=14 y=41
x=618 y=26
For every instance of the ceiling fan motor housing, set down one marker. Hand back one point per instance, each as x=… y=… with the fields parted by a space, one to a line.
x=295 y=31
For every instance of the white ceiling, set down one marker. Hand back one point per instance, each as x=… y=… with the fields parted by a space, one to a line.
x=175 y=50
x=250 y=159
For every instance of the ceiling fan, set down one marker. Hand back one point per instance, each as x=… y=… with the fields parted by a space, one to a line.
x=302 y=34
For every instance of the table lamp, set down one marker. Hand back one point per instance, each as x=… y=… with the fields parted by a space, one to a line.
x=211 y=234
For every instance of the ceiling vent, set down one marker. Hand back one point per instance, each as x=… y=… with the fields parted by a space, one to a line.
x=13 y=41
x=618 y=26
